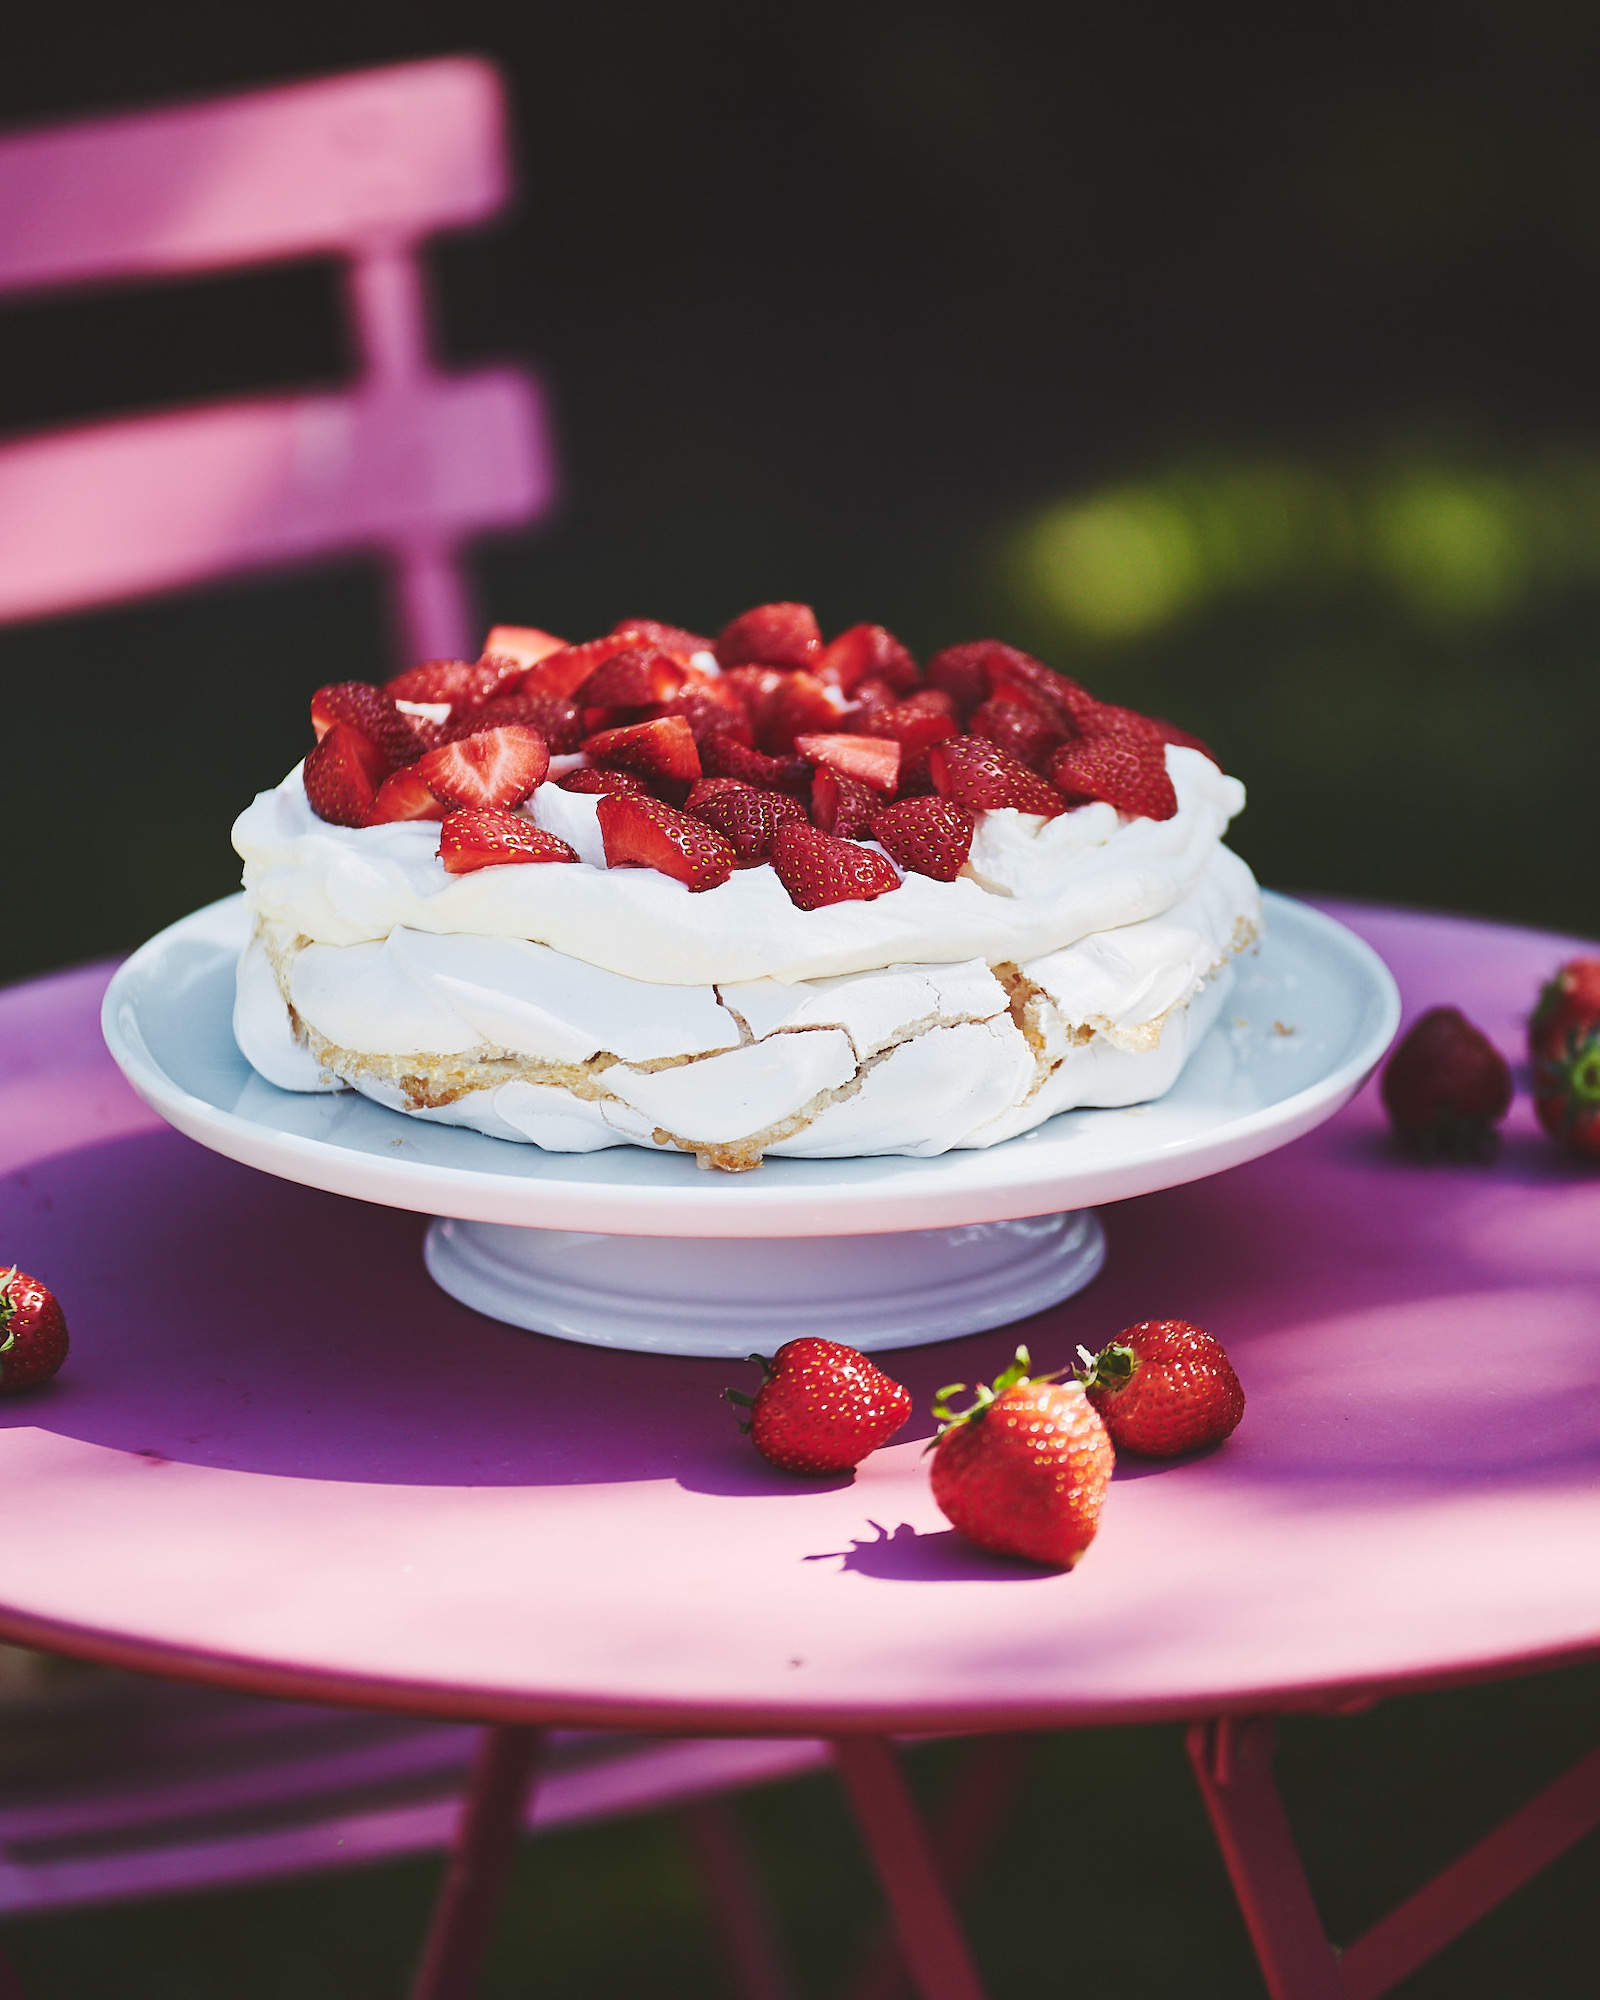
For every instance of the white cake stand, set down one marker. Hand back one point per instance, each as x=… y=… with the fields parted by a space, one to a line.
x=631 y=1248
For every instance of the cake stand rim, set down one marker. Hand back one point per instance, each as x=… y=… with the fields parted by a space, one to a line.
x=951 y=1189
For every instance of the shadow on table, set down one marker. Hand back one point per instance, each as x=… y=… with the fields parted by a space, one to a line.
x=910 y=1555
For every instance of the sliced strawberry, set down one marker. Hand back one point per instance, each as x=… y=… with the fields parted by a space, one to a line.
x=867 y=651
x=841 y=805
x=367 y=708
x=755 y=689
x=1026 y=732
x=912 y=725
x=592 y=781
x=495 y=767
x=930 y=836
x=771 y=635
x=746 y=819
x=707 y=713
x=645 y=833
x=671 y=638
x=525 y=644
x=712 y=788
x=664 y=748
x=1018 y=677
x=489 y=837
x=463 y=683
x=556 y=721
x=1125 y=770
x=342 y=775
x=979 y=774
x=958 y=670
x=873 y=694
x=802 y=705
x=722 y=757
x=560 y=675
x=1171 y=733
x=403 y=795
x=634 y=678
x=875 y=760
x=818 y=869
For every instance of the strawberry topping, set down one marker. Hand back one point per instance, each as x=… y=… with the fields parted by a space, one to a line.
x=818 y=869
x=525 y=644
x=634 y=678
x=560 y=675
x=1127 y=771
x=981 y=775
x=722 y=757
x=872 y=760
x=462 y=683
x=487 y=837
x=591 y=780
x=403 y=795
x=367 y=708
x=867 y=652
x=930 y=836
x=496 y=767
x=841 y=805
x=644 y=833
x=772 y=635
x=800 y=704
x=342 y=776
x=746 y=819
x=671 y=638
x=664 y=748
x=1024 y=731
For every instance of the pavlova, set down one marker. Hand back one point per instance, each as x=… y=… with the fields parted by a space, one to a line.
x=754 y=895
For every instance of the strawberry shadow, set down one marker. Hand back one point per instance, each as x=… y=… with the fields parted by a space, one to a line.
x=911 y=1555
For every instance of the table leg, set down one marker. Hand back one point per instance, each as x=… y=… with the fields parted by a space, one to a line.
x=1232 y=1759
x=737 y=1899
x=1518 y=1849
x=492 y=1811
x=934 y=1949
x=971 y=1814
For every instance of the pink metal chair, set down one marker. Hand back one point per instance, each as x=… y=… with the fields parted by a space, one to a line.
x=408 y=462
x=157 y=1789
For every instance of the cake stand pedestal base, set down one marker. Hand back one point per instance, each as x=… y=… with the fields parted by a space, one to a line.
x=725 y=1296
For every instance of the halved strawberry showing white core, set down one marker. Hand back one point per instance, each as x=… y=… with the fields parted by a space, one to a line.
x=401 y=796
x=664 y=748
x=498 y=767
x=872 y=760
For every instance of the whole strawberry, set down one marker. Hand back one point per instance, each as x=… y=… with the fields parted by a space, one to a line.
x=33 y=1332
x=1564 y=1044
x=1163 y=1387
x=822 y=1408
x=1446 y=1087
x=1024 y=1470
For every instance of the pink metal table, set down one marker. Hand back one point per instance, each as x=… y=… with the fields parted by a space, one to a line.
x=282 y=1462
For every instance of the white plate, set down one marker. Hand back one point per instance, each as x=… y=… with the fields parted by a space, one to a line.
x=1308 y=1018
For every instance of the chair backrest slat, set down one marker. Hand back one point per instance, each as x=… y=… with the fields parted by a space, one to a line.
x=310 y=168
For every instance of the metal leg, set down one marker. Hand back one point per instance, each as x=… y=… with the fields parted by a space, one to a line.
x=934 y=1949
x=1469 y=1888
x=969 y=1818
x=737 y=1899
x=1232 y=1761
x=492 y=1811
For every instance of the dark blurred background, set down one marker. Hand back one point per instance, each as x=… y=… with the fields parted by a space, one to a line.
x=1242 y=360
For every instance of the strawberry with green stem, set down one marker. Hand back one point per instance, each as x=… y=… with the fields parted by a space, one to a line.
x=1024 y=1468
x=1564 y=1044
x=33 y=1332
x=822 y=1407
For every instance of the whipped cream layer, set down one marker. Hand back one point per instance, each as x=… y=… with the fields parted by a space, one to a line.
x=1031 y=887
x=520 y=1041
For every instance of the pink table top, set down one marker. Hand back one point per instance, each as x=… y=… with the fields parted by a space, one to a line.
x=280 y=1459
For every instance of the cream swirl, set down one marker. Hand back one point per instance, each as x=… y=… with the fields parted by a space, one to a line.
x=1032 y=886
